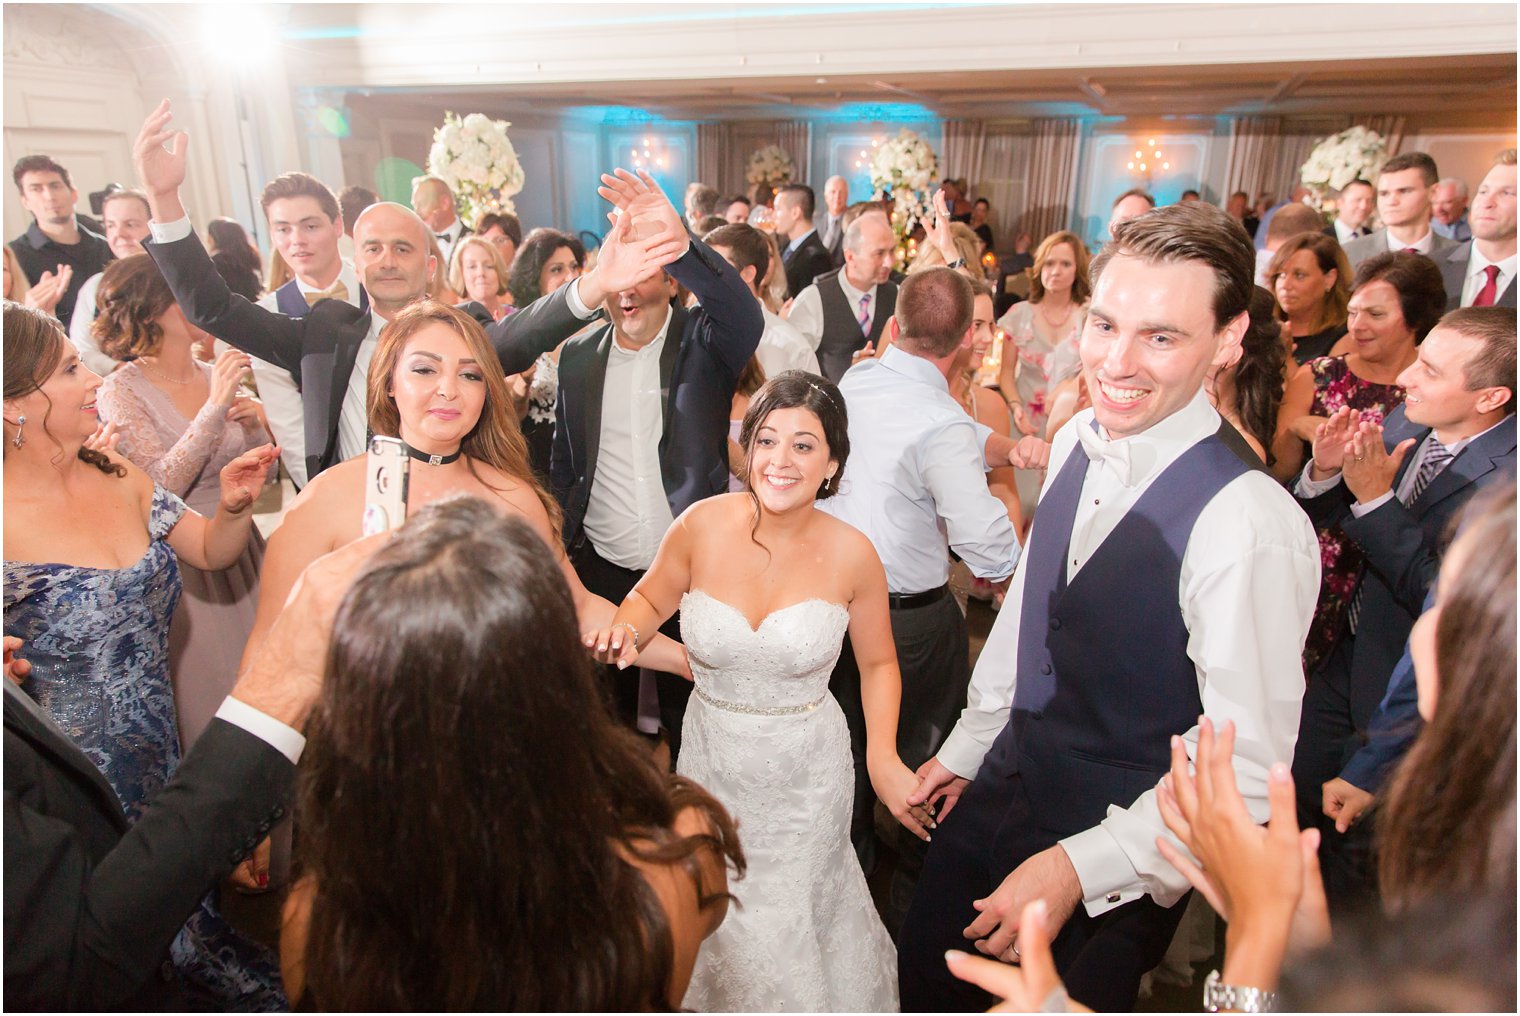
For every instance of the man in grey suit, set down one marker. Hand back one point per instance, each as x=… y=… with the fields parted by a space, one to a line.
x=1405 y=190
x=1481 y=272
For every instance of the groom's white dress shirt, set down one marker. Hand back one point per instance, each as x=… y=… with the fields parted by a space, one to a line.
x=1248 y=587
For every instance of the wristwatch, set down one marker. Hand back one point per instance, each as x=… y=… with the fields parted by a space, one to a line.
x=1231 y=998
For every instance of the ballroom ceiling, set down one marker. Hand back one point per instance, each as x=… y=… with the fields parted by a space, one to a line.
x=1451 y=61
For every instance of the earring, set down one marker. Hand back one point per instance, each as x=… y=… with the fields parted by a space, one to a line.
x=20 y=422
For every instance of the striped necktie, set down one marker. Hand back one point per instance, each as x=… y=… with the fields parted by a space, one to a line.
x=1436 y=458
x=865 y=314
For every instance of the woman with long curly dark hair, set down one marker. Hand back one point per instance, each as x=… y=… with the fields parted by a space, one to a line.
x=547 y=260
x=477 y=831
x=1249 y=391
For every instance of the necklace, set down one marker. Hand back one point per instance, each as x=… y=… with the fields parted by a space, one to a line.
x=434 y=460
x=143 y=363
x=1057 y=323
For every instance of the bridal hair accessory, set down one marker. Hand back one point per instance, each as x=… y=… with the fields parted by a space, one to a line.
x=826 y=395
x=20 y=422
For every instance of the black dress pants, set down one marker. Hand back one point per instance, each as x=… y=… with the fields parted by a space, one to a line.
x=1327 y=738
x=933 y=654
x=990 y=833
x=615 y=582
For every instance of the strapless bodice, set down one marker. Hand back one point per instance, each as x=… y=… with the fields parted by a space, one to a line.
x=781 y=666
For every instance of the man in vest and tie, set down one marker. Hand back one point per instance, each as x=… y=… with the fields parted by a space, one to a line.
x=846 y=309
x=305 y=223
x=1164 y=578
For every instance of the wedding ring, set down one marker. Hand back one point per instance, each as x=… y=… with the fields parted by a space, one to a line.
x=1015 y=947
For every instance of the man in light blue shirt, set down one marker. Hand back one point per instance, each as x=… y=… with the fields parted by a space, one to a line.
x=917 y=488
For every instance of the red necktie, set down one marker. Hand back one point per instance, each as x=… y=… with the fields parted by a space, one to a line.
x=1490 y=291
x=1411 y=250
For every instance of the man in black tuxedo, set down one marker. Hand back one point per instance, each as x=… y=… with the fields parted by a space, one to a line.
x=1393 y=490
x=434 y=204
x=805 y=256
x=328 y=351
x=641 y=425
x=1481 y=271
x=91 y=903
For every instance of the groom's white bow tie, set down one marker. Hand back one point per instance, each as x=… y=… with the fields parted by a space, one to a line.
x=1116 y=455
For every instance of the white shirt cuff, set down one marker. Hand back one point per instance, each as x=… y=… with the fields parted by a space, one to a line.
x=1358 y=509
x=266 y=728
x=168 y=232
x=1104 y=870
x=1308 y=487
x=576 y=304
x=962 y=753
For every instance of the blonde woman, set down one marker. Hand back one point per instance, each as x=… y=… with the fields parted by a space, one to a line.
x=1041 y=334
x=478 y=272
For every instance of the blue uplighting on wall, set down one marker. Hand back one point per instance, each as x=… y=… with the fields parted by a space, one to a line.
x=613 y=116
x=878 y=112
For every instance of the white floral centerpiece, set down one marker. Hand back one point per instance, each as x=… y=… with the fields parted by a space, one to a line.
x=905 y=167
x=769 y=165
x=1354 y=154
x=475 y=158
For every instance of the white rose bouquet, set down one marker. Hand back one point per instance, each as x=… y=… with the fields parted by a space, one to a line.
x=905 y=167
x=769 y=165
x=475 y=158
x=1354 y=154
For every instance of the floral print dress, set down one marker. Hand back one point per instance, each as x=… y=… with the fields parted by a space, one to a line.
x=1341 y=560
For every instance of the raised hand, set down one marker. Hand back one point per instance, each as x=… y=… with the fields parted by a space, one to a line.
x=1369 y=468
x=1264 y=880
x=1330 y=440
x=937 y=227
x=938 y=786
x=160 y=169
x=640 y=197
x=243 y=477
x=229 y=371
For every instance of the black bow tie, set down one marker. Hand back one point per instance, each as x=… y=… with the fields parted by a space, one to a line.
x=443 y=236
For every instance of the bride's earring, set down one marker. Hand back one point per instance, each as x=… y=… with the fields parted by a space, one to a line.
x=20 y=422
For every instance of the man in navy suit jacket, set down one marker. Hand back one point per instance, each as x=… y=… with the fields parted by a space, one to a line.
x=641 y=424
x=1394 y=490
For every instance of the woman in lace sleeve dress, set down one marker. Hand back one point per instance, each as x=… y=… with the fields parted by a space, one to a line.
x=181 y=421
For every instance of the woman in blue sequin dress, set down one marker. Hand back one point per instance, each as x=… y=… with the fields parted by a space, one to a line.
x=91 y=581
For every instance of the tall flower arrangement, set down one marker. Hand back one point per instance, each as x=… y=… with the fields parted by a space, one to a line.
x=769 y=165
x=905 y=168
x=1355 y=153
x=475 y=158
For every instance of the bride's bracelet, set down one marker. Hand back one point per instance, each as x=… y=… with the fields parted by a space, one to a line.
x=631 y=630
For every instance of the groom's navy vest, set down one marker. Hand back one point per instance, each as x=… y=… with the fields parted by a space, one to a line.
x=1104 y=677
x=291 y=302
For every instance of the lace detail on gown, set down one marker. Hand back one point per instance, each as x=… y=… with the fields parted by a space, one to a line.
x=805 y=936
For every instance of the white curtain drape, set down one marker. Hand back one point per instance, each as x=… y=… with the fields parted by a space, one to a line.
x=796 y=139
x=965 y=147
x=714 y=154
x=1052 y=177
x=1256 y=143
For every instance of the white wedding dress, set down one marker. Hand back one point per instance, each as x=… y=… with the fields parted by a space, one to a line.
x=765 y=737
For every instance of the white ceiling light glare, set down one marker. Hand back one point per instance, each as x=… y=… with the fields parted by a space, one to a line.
x=242 y=36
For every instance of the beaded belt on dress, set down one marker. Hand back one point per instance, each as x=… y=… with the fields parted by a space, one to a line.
x=735 y=707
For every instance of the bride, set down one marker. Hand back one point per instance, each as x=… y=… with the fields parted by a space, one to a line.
x=767 y=586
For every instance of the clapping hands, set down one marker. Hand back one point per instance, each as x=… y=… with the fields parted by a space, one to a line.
x=48 y=290
x=1265 y=881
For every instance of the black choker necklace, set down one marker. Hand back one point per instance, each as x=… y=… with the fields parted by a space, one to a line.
x=433 y=460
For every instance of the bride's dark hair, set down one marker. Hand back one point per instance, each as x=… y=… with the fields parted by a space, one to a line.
x=797 y=389
x=472 y=818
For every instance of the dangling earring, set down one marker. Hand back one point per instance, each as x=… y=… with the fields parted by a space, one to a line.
x=20 y=422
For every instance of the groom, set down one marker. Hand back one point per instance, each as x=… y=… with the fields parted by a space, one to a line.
x=1164 y=578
